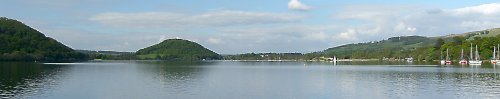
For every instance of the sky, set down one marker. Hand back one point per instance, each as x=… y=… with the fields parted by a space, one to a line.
x=245 y=26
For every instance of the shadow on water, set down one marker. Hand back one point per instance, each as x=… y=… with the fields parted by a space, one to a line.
x=176 y=63
x=174 y=70
x=178 y=78
x=21 y=79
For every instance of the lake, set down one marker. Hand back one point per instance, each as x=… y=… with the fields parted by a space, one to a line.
x=246 y=80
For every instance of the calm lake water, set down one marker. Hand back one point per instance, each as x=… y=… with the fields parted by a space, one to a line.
x=246 y=80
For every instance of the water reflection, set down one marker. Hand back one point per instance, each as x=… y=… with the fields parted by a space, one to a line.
x=22 y=80
x=240 y=80
x=179 y=79
x=404 y=63
x=421 y=82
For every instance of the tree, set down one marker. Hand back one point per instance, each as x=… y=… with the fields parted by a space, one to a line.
x=439 y=43
x=458 y=40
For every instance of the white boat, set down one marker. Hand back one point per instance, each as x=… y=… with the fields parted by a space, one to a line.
x=409 y=60
x=442 y=62
x=447 y=61
x=494 y=59
x=476 y=60
x=334 y=60
x=463 y=61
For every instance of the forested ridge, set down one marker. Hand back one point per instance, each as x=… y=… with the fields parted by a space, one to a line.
x=418 y=47
x=19 y=42
x=177 y=49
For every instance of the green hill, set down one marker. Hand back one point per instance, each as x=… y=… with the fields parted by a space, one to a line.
x=416 y=46
x=392 y=47
x=19 y=42
x=177 y=49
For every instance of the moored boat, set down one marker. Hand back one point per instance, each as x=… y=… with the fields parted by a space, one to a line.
x=463 y=61
x=409 y=59
x=476 y=60
x=334 y=60
x=442 y=62
x=447 y=61
x=494 y=59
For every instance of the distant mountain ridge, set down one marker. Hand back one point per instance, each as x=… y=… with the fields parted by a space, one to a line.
x=406 y=46
x=19 y=42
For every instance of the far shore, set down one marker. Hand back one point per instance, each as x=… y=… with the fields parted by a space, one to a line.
x=339 y=60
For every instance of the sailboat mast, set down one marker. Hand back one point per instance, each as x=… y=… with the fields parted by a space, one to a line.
x=471 y=57
x=494 y=52
x=477 y=54
x=447 y=58
x=462 y=54
x=441 y=55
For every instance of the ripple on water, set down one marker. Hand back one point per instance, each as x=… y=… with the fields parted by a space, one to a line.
x=365 y=82
x=178 y=84
x=28 y=87
x=403 y=84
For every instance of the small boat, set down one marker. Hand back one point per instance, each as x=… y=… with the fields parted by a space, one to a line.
x=409 y=60
x=494 y=59
x=334 y=60
x=463 y=61
x=475 y=60
x=447 y=61
x=442 y=62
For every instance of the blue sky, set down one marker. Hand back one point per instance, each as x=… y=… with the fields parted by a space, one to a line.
x=242 y=26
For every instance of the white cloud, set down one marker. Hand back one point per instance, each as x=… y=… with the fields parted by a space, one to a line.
x=485 y=9
x=241 y=31
x=180 y=20
x=322 y=36
x=282 y=38
x=350 y=34
x=411 y=29
x=162 y=38
x=90 y=40
x=214 y=41
x=380 y=22
x=297 y=5
x=480 y=24
x=403 y=28
x=371 y=12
